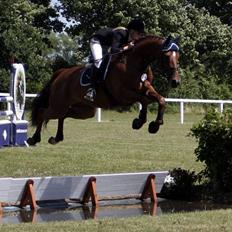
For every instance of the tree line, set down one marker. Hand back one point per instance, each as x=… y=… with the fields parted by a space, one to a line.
x=32 y=32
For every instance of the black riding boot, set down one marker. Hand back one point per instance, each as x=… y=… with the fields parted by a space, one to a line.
x=91 y=92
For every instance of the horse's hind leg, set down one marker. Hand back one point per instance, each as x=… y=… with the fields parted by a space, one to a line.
x=76 y=111
x=59 y=133
x=36 y=138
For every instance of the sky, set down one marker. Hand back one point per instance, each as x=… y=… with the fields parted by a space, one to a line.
x=53 y=2
x=62 y=19
x=56 y=2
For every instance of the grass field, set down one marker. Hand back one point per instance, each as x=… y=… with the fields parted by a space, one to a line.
x=110 y=147
x=106 y=147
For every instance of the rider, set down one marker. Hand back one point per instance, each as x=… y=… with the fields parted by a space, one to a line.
x=113 y=39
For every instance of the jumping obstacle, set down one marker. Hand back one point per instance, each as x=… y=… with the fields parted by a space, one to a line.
x=84 y=189
x=13 y=130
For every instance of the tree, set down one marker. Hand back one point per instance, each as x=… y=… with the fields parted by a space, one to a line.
x=91 y=15
x=48 y=19
x=221 y=9
x=65 y=51
x=20 y=39
x=214 y=136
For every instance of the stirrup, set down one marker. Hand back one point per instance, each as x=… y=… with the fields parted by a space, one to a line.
x=90 y=95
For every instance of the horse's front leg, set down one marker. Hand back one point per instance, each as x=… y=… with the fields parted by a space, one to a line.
x=138 y=122
x=154 y=125
x=154 y=96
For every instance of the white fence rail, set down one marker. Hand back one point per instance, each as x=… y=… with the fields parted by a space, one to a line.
x=182 y=101
x=5 y=97
x=221 y=104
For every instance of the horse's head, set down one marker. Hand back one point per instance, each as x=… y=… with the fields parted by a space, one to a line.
x=170 y=61
x=164 y=52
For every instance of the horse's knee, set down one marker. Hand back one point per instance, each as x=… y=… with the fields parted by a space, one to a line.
x=162 y=101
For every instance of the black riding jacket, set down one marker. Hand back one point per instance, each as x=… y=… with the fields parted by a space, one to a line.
x=114 y=38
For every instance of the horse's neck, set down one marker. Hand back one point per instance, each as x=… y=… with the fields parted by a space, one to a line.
x=144 y=54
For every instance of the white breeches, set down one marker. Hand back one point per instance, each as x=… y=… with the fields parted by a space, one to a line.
x=96 y=50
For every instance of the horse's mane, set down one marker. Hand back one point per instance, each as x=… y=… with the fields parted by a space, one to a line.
x=120 y=55
x=136 y=42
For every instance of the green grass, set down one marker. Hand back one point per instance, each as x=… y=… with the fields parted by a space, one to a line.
x=110 y=147
x=207 y=221
x=107 y=147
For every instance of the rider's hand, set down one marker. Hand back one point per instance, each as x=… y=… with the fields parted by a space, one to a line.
x=129 y=46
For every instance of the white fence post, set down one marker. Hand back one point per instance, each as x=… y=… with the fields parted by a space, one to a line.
x=98 y=114
x=221 y=107
x=182 y=112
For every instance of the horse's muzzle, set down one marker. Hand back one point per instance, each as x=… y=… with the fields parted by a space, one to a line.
x=175 y=83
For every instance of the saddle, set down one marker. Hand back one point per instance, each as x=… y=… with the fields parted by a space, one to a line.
x=90 y=75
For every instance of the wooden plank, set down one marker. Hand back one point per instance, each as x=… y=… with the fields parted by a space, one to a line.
x=126 y=183
x=28 y=196
x=46 y=188
x=73 y=187
x=149 y=190
x=5 y=184
x=90 y=192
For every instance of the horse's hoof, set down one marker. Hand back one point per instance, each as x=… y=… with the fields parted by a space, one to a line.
x=137 y=123
x=153 y=127
x=31 y=141
x=52 y=140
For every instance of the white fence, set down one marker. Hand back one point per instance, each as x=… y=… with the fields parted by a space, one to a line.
x=221 y=104
x=5 y=97
x=182 y=101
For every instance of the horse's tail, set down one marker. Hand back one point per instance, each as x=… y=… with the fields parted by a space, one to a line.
x=41 y=101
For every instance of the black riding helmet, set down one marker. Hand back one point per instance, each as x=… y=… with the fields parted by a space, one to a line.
x=137 y=25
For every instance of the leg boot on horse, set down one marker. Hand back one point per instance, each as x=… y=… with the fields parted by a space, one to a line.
x=138 y=122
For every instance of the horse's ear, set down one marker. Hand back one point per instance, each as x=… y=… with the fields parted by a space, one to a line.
x=177 y=40
x=167 y=43
x=170 y=44
x=168 y=40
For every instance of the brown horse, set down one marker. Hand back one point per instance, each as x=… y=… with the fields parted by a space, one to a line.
x=63 y=96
